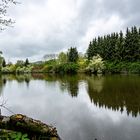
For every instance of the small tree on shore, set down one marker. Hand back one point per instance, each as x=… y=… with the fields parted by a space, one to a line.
x=62 y=58
x=72 y=55
x=3 y=63
x=96 y=65
x=26 y=62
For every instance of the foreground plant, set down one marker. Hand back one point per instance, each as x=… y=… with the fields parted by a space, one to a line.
x=19 y=136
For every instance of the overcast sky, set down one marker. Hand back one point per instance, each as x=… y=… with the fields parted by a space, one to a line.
x=51 y=26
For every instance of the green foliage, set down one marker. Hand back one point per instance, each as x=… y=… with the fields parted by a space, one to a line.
x=54 y=66
x=92 y=51
x=117 y=47
x=62 y=68
x=48 y=68
x=72 y=55
x=12 y=135
x=9 y=69
x=17 y=68
x=67 y=68
x=134 y=67
x=122 y=67
x=83 y=63
x=24 y=69
x=96 y=65
x=20 y=63
x=62 y=58
x=26 y=62
x=19 y=136
x=3 y=63
x=113 y=67
x=1 y=59
x=51 y=62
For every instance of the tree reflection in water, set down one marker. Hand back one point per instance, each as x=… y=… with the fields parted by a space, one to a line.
x=2 y=83
x=115 y=92
x=118 y=92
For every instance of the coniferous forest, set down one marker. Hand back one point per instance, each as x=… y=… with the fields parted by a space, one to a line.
x=117 y=46
x=119 y=51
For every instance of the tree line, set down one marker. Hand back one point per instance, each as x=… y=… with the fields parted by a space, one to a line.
x=113 y=53
x=117 y=46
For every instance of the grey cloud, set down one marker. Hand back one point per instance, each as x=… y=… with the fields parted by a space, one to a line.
x=26 y=50
x=66 y=34
x=127 y=9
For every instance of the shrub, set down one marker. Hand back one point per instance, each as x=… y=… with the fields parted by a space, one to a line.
x=61 y=68
x=134 y=67
x=66 y=68
x=125 y=67
x=37 y=68
x=69 y=68
x=48 y=68
x=83 y=63
x=96 y=65
x=24 y=69
x=9 y=69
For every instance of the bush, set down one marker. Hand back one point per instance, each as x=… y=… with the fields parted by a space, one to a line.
x=51 y=62
x=134 y=67
x=122 y=67
x=37 y=68
x=96 y=65
x=24 y=69
x=68 y=68
x=61 y=68
x=112 y=67
x=9 y=69
x=48 y=68
x=83 y=63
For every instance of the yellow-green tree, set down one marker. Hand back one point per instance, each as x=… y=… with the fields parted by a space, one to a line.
x=62 y=58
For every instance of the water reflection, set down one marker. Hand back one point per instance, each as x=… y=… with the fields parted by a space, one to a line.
x=113 y=92
x=117 y=93
x=2 y=83
x=81 y=107
x=69 y=83
x=66 y=82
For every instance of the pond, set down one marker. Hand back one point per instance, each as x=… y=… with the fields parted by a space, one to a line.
x=81 y=107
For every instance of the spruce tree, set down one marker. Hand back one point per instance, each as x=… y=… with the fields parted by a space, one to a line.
x=26 y=62
x=3 y=63
x=90 y=51
x=117 y=47
x=127 y=45
x=135 y=49
x=72 y=55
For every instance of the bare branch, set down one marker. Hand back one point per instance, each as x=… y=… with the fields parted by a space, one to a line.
x=5 y=21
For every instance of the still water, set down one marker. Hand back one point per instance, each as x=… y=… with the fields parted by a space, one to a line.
x=80 y=107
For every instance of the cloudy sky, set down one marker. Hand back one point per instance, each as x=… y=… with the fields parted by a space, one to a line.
x=51 y=26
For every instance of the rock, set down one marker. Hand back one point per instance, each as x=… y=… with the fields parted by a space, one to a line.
x=24 y=124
